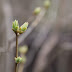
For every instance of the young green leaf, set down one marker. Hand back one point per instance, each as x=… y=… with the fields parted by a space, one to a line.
x=15 y=26
x=23 y=28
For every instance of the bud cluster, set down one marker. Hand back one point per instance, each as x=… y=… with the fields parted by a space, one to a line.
x=16 y=29
x=20 y=59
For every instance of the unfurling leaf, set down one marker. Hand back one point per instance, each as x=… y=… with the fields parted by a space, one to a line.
x=23 y=28
x=15 y=26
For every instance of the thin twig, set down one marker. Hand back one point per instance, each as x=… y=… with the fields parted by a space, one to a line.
x=16 y=45
x=16 y=65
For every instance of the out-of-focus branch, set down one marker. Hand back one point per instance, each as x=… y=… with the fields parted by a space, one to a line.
x=22 y=50
x=46 y=49
x=31 y=18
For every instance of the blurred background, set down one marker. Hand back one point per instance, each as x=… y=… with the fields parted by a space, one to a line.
x=49 y=35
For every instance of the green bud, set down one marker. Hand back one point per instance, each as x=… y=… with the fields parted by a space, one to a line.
x=23 y=28
x=37 y=10
x=47 y=3
x=18 y=59
x=23 y=49
x=15 y=26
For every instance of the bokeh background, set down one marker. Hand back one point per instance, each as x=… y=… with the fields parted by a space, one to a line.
x=49 y=35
